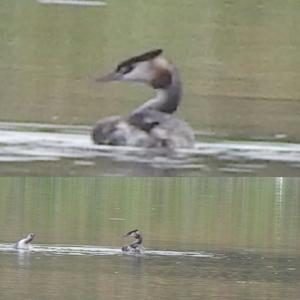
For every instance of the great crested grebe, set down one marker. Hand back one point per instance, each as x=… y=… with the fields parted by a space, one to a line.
x=136 y=245
x=151 y=124
x=25 y=243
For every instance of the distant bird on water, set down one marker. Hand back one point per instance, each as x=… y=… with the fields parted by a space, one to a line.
x=136 y=245
x=25 y=243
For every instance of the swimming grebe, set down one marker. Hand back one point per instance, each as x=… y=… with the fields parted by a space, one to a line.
x=136 y=245
x=26 y=242
x=151 y=124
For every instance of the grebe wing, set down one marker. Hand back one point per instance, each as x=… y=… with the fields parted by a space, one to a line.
x=147 y=119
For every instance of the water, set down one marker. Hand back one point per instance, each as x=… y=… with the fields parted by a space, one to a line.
x=73 y=2
x=210 y=238
x=239 y=62
x=235 y=276
x=38 y=149
x=92 y=250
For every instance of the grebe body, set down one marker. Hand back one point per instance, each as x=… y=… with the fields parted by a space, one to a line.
x=171 y=132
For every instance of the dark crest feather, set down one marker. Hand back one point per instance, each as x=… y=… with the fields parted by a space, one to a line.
x=143 y=57
x=132 y=231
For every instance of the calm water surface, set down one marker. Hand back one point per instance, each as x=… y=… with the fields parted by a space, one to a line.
x=245 y=233
x=239 y=62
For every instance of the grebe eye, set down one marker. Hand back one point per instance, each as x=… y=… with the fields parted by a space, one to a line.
x=126 y=69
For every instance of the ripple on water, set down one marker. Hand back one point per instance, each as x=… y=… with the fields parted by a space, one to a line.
x=43 y=142
x=73 y=2
x=92 y=250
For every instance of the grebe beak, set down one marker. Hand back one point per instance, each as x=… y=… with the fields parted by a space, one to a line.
x=112 y=76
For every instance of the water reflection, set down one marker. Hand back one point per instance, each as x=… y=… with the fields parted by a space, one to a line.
x=235 y=276
x=23 y=258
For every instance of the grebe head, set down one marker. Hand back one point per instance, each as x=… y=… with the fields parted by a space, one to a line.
x=133 y=233
x=150 y=68
x=29 y=238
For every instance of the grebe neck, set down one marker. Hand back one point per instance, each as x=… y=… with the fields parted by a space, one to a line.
x=168 y=94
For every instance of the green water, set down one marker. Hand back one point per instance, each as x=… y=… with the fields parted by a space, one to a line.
x=251 y=225
x=239 y=62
